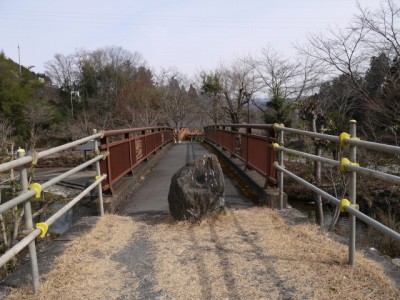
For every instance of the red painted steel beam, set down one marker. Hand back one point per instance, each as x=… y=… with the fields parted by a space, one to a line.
x=126 y=151
x=252 y=148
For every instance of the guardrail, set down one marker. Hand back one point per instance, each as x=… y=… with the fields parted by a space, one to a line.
x=127 y=148
x=250 y=143
x=35 y=189
x=348 y=165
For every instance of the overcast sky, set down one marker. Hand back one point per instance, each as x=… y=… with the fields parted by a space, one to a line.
x=190 y=35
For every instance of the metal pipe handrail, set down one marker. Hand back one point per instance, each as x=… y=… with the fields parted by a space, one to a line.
x=132 y=130
x=22 y=244
x=70 y=204
x=349 y=141
x=378 y=226
x=373 y=146
x=308 y=155
x=250 y=135
x=27 y=195
x=7 y=256
x=27 y=159
x=28 y=192
x=321 y=136
x=375 y=224
x=252 y=126
x=348 y=165
x=376 y=174
x=312 y=187
x=358 y=169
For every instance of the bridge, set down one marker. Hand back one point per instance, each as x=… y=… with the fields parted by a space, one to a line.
x=251 y=252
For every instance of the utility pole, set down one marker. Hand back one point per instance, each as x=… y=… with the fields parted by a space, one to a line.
x=248 y=98
x=72 y=106
x=19 y=60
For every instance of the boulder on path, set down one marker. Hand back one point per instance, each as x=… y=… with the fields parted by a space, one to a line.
x=197 y=189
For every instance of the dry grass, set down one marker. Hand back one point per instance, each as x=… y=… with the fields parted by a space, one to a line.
x=86 y=270
x=248 y=254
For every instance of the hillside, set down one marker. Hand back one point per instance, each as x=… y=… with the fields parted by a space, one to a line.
x=28 y=104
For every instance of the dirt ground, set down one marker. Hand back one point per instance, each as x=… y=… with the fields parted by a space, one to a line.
x=245 y=254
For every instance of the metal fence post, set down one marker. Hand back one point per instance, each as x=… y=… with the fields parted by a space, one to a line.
x=280 y=161
x=248 y=132
x=352 y=195
x=100 y=190
x=29 y=225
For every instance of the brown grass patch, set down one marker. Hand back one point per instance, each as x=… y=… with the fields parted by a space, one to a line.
x=253 y=254
x=247 y=254
x=86 y=270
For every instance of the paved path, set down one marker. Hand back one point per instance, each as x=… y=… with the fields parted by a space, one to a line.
x=152 y=196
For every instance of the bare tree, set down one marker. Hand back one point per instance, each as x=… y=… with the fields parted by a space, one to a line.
x=63 y=71
x=178 y=109
x=341 y=52
x=383 y=27
x=367 y=55
x=238 y=84
x=114 y=83
x=284 y=81
x=37 y=113
x=383 y=76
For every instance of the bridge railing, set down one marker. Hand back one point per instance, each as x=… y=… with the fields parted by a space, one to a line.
x=347 y=165
x=127 y=148
x=35 y=190
x=251 y=143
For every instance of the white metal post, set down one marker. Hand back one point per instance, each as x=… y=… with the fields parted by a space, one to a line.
x=29 y=225
x=100 y=191
x=280 y=160
x=352 y=195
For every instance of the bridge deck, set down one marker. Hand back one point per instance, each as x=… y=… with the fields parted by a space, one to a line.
x=152 y=196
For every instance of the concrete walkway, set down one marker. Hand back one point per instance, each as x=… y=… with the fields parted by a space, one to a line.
x=152 y=196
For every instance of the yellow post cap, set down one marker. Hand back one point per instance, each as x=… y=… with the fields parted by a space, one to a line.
x=345 y=161
x=342 y=137
x=37 y=188
x=43 y=227
x=20 y=150
x=275 y=146
x=277 y=126
x=343 y=203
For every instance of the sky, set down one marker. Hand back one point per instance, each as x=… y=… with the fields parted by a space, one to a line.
x=189 y=35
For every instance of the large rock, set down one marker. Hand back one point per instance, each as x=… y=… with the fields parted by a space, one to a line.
x=197 y=189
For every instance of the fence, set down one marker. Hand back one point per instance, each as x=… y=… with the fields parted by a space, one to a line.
x=129 y=147
x=348 y=165
x=250 y=143
x=35 y=189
